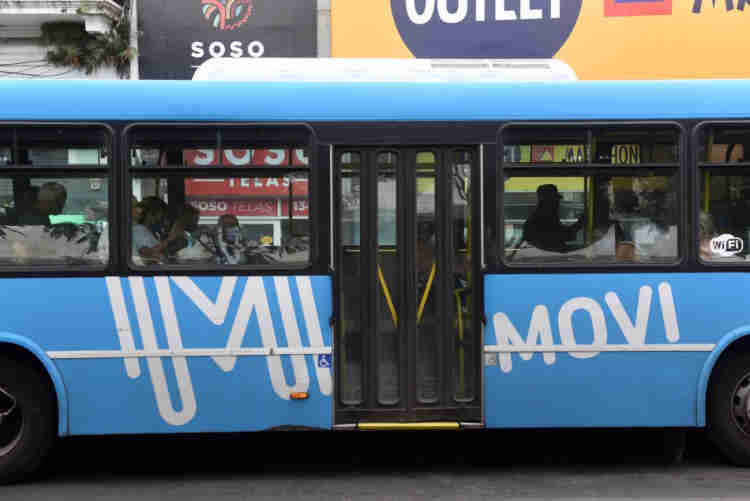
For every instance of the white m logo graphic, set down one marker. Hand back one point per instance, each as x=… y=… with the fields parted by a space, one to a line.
x=254 y=299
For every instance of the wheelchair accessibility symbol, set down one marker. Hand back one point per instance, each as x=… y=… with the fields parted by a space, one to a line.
x=324 y=361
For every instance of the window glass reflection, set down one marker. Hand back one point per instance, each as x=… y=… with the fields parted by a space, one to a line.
x=598 y=219
x=223 y=221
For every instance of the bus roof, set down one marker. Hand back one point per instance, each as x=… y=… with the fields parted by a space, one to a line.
x=285 y=69
x=367 y=101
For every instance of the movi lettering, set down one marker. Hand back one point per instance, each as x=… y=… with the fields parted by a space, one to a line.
x=540 y=338
x=253 y=300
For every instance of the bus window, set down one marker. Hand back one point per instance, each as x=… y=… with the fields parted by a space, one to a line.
x=350 y=228
x=463 y=227
x=596 y=195
x=252 y=201
x=240 y=221
x=350 y=198
x=724 y=216
x=54 y=206
x=6 y=146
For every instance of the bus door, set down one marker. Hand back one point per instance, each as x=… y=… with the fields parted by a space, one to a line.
x=407 y=327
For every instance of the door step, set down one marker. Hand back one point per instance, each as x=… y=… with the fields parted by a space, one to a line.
x=434 y=425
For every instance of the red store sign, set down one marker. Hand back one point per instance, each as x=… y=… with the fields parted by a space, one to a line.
x=239 y=158
x=253 y=187
x=251 y=208
x=300 y=208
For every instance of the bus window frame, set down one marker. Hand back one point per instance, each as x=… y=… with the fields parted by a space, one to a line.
x=698 y=165
x=683 y=246
x=130 y=173
x=77 y=171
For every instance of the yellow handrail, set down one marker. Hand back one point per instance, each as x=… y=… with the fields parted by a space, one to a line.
x=387 y=295
x=426 y=293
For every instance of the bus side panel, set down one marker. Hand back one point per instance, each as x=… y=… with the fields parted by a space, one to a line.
x=651 y=335
x=89 y=325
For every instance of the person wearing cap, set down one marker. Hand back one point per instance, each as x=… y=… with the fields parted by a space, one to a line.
x=543 y=229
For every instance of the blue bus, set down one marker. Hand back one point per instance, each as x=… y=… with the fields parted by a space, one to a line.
x=187 y=257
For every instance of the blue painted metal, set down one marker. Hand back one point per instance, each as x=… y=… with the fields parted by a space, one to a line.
x=308 y=102
x=205 y=396
x=609 y=389
x=57 y=381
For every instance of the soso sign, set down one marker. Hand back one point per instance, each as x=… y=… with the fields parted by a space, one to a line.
x=485 y=28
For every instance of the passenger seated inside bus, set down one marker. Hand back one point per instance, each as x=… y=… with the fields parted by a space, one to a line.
x=41 y=234
x=50 y=200
x=625 y=212
x=147 y=246
x=543 y=229
x=230 y=244
x=618 y=219
x=180 y=237
x=656 y=237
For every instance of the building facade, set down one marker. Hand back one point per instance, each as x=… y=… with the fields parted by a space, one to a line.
x=168 y=39
x=23 y=53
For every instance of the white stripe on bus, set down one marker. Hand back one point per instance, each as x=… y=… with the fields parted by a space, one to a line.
x=122 y=323
x=189 y=353
x=155 y=365
x=601 y=347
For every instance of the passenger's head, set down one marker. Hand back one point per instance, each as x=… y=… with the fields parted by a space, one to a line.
x=230 y=228
x=188 y=217
x=548 y=192
x=548 y=198
x=51 y=198
x=137 y=210
x=654 y=206
x=153 y=210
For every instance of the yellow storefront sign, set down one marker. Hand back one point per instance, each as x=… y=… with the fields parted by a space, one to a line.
x=602 y=39
x=530 y=184
x=626 y=154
